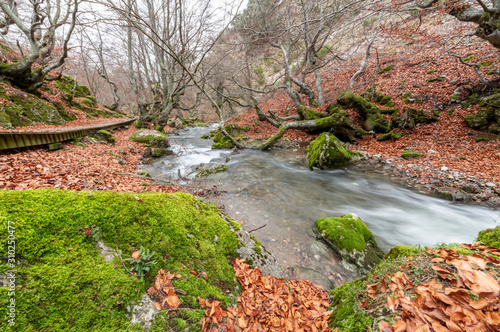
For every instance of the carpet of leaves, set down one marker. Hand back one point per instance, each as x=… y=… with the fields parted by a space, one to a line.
x=269 y=304
x=465 y=296
x=94 y=167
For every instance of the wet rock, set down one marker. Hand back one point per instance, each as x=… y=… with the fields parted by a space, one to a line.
x=313 y=276
x=327 y=151
x=151 y=137
x=352 y=241
x=452 y=194
x=318 y=248
x=255 y=253
x=471 y=188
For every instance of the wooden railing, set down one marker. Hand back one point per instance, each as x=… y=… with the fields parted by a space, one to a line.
x=18 y=139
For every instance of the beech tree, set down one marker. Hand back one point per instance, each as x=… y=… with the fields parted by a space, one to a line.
x=39 y=24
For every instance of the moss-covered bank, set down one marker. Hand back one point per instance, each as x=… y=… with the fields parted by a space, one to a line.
x=64 y=284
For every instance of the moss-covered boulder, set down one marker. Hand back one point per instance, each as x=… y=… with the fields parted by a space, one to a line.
x=69 y=86
x=352 y=241
x=370 y=112
x=24 y=109
x=487 y=118
x=221 y=141
x=490 y=237
x=327 y=151
x=64 y=284
x=151 y=137
x=107 y=136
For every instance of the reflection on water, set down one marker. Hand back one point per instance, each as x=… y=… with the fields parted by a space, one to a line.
x=277 y=190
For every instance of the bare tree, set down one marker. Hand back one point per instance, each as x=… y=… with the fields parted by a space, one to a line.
x=38 y=23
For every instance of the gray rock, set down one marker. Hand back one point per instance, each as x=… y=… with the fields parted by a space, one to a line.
x=452 y=194
x=313 y=276
x=432 y=152
x=444 y=169
x=143 y=313
x=490 y=184
x=318 y=248
x=256 y=253
x=151 y=137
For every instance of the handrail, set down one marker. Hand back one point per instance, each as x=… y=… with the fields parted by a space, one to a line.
x=19 y=139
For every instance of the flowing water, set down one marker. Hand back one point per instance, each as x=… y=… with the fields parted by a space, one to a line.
x=276 y=189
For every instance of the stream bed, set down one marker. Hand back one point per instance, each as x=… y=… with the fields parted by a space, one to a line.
x=276 y=189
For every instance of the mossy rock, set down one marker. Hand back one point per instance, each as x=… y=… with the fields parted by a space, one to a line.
x=402 y=250
x=69 y=86
x=221 y=141
x=152 y=137
x=390 y=135
x=487 y=118
x=490 y=237
x=369 y=111
x=160 y=152
x=107 y=136
x=409 y=154
x=327 y=151
x=352 y=241
x=214 y=170
x=27 y=109
x=63 y=284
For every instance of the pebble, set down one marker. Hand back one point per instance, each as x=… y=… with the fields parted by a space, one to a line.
x=444 y=169
x=432 y=152
x=490 y=184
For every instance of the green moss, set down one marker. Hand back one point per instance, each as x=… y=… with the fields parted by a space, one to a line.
x=409 y=154
x=386 y=69
x=401 y=251
x=309 y=114
x=107 y=136
x=390 y=135
x=346 y=232
x=328 y=152
x=348 y=316
x=214 y=170
x=63 y=282
x=223 y=142
x=432 y=71
x=406 y=95
x=490 y=237
x=485 y=64
x=369 y=111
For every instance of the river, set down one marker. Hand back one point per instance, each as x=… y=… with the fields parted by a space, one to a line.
x=276 y=189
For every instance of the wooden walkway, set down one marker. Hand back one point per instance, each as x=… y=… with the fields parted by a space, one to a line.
x=18 y=139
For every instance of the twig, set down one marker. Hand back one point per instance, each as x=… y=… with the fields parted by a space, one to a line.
x=256 y=229
x=120 y=256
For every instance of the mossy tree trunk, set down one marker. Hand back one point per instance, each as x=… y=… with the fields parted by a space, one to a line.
x=44 y=17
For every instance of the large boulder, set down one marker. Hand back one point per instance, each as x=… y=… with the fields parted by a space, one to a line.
x=352 y=241
x=327 y=151
x=152 y=137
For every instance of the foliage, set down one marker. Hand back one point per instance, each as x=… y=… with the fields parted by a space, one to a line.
x=386 y=69
x=142 y=263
